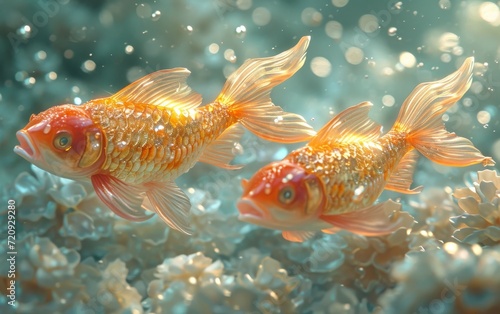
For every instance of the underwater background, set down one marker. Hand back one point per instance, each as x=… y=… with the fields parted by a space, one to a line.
x=73 y=255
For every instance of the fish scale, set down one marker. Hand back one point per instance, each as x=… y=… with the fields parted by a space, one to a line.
x=343 y=168
x=156 y=143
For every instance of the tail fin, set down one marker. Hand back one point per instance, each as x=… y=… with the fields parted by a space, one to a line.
x=247 y=93
x=420 y=118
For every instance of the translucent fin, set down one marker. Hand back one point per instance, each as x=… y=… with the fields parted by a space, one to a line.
x=220 y=152
x=379 y=219
x=400 y=181
x=331 y=230
x=247 y=93
x=420 y=118
x=351 y=125
x=166 y=88
x=123 y=199
x=170 y=203
x=298 y=236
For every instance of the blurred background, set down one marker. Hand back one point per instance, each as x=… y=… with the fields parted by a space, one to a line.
x=80 y=258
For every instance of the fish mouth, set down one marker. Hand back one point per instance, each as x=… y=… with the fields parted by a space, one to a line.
x=249 y=211
x=25 y=149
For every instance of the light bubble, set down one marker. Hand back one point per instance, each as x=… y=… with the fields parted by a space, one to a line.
x=368 y=23
x=134 y=73
x=51 y=76
x=244 y=4
x=213 y=48
x=392 y=31
x=354 y=55
x=68 y=54
x=333 y=29
x=29 y=82
x=407 y=59
x=446 y=57
x=229 y=55
x=448 y=41
x=155 y=16
x=311 y=17
x=489 y=12
x=444 y=4
x=241 y=31
x=41 y=55
x=143 y=10
x=261 y=16
x=483 y=117
x=189 y=28
x=88 y=66
x=321 y=66
x=388 y=100
x=340 y=3
x=387 y=71
x=129 y=49
x=77 y=101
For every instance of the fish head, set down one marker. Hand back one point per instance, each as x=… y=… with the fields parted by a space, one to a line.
x=281 y=195
x=62 y=140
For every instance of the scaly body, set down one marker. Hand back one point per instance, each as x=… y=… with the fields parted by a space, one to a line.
x=148 y=143
x=135 y=143
x=333 y=182
x=354 y=175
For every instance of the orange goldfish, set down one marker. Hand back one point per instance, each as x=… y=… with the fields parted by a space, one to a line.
x=333 y=182
x=135 y=143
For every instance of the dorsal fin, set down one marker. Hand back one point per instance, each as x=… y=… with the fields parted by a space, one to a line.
x=165 y=88
x=351 y=125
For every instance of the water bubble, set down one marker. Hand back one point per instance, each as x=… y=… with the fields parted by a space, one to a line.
x=483 y=117
x=24 y=31
x=444 y=4
x=40 y=55
x=448 y=41
x=241 y=31
x=77 y=101
x=261 y=16
x=68 y=54
x=21 y=76
x=445 y=57
x=311 y=17
x=143 y=10
x=237 y=149
x=156 y=15
x=392 y=31
x=129 y=49
x=387 y=71
x=388 y=100
x=490 y=12
x=368 y=23
x=340 y=3
x=229 y=55
x=29 y=82
x=354 y=55
x=320 y=66
x=88 y=66
x=51 y=76
x=190 y=29
x=407 y=59
x=213 y=48
x=244 y=4
x=333 y=29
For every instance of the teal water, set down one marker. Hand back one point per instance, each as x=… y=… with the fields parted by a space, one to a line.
x=75 y=256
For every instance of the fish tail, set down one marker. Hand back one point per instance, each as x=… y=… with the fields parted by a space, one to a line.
x=420 y=119
x=247 y=94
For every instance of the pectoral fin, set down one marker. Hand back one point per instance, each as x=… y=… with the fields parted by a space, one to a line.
x=220 y=152
x=298 y=236
x=170 y=203
x=376 y=220
x=400 y=181
x=123 y=199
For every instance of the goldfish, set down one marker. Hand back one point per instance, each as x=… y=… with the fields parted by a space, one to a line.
x=333 y=182
x=132 y=145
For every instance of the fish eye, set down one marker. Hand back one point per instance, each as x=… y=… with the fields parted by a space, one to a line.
x=62 y=141
x=286 y=195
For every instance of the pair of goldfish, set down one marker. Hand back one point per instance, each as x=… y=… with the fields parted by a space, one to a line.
x=135 y=143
